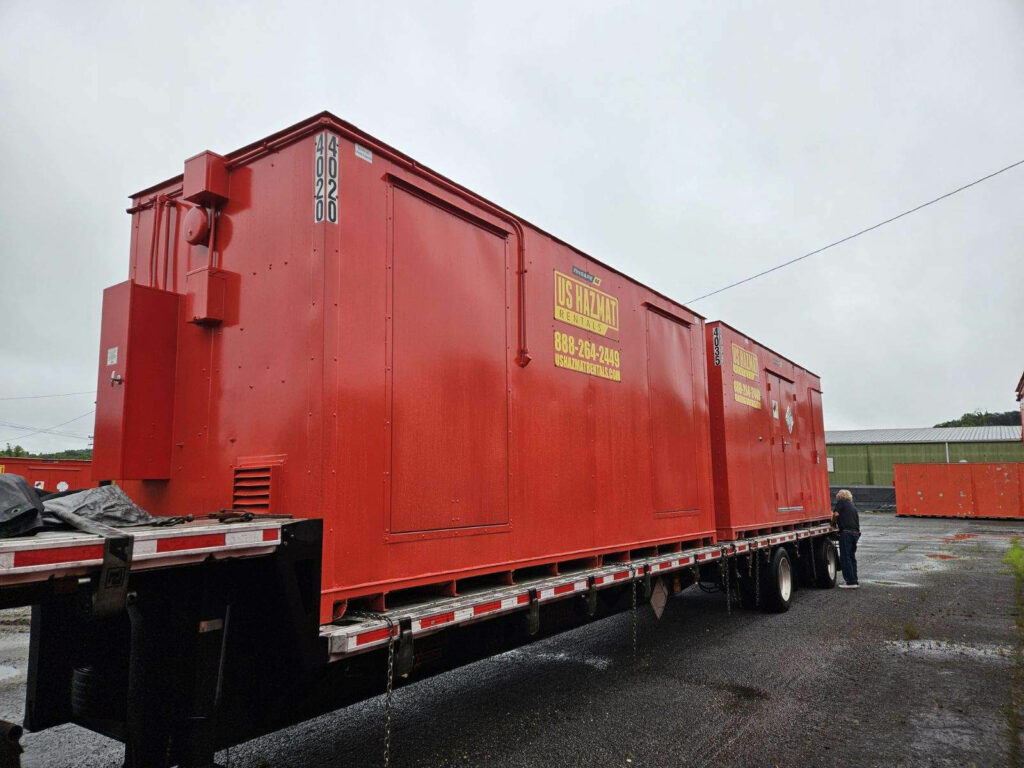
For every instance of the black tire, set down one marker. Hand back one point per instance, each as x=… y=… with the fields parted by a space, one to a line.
x=826 y=562
x=778 y=579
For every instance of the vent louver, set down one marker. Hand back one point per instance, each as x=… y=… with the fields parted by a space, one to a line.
x=251 y=490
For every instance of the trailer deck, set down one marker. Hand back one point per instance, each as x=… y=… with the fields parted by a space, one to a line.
x=62 y=554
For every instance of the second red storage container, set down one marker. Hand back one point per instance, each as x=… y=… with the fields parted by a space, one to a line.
x=767 y=437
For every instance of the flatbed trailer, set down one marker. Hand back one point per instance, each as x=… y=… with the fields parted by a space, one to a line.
x=434 y=433
x=218 y=638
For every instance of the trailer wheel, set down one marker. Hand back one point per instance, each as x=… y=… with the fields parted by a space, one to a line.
x=826 y=562
x=777 y=587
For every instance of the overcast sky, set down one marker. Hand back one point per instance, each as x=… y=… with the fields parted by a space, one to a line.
x=688 y=144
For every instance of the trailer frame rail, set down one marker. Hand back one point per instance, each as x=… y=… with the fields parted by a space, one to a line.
x=349 y=638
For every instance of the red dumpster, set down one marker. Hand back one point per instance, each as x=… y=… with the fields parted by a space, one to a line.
x=767 y=437
x=50 y=474
x=987 y=490
x=316 y=325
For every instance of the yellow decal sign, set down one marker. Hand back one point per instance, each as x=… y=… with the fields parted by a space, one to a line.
x=581 y=304
x=748 y=394
x=744 y=363
x=1 y=469
x=584 y=356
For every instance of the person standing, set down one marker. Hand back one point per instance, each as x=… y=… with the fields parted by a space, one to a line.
x=847 y=518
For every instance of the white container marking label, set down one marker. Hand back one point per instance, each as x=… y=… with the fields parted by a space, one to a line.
x=363 y=153
x=112 y=356
x=325 y=178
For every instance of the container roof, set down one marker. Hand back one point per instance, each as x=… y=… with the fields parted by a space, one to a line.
x=325 y=119
x=925 y=435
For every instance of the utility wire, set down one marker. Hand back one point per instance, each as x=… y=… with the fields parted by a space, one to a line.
x=856 y=234
x=40 y=397
x=50 y=430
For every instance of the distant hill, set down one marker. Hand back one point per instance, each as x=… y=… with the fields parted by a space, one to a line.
x=985 y=419
x=16 y=451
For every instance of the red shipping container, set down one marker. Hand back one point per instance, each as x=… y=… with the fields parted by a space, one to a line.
x=50 y=474
x=767 y=437
x=452 y=390
x=986 y=490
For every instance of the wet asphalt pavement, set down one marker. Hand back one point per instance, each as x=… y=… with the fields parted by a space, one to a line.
x=915 y=668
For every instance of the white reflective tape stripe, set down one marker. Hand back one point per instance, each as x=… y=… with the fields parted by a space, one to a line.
x=145 y=547
x=6 y=560
x=242 y=538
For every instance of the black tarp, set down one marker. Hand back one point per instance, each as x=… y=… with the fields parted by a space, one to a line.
x=21 y=509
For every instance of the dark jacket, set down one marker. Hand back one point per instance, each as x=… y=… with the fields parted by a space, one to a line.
x=848 y=517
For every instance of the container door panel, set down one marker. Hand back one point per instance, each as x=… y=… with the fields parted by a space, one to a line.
x=792 y=423
x=819 y=500
x=670 y=348
x=449 y=403
x=780 y=442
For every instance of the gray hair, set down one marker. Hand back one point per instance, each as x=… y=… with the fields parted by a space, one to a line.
x=845 y=494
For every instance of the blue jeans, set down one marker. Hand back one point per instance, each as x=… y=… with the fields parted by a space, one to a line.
x=848 y=555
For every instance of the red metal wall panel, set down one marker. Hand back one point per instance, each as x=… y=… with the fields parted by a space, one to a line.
x=674 y=430
x=768 y=437
x=448 y=368
x=138 y=346
x=985 y=490
x=372 y=347
x=50 y=474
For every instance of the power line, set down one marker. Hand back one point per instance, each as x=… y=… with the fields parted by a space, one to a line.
x=857 y=234
x=40 y=397
x=50 y=430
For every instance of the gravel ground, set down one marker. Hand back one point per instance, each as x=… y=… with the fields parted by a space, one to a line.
x=915 y=668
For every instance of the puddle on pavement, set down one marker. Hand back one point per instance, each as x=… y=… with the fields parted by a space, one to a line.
x=945 y=649
x=970 y=536
x=886 y=583
x=522 y=654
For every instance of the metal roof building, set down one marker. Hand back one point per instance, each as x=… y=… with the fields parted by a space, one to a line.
x=924 y=435
x=866 y=456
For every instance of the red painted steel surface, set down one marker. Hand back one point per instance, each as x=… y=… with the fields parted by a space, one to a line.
x=376 y=323
x=136 y=382
x=50 y=474
x=767 y=436
x=960 y=490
